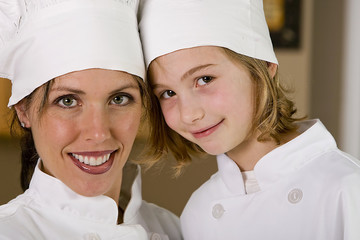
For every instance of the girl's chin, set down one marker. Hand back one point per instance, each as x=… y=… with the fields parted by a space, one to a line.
x=212 y=151
x=213 y=148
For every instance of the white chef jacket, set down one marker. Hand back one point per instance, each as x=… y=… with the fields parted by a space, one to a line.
x=51 y=210
x=309 y=190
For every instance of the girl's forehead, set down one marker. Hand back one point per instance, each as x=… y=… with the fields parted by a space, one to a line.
x=189 y=58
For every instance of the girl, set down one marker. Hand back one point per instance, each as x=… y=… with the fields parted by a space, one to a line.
x=77 y=88
x=214 y=73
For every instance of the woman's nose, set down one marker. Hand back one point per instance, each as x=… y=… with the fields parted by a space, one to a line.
x=96 y=125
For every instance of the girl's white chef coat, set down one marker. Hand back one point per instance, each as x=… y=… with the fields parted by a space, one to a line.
x=309 y=189
x=51 y=210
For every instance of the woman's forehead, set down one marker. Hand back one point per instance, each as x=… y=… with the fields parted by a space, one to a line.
x=96 y=77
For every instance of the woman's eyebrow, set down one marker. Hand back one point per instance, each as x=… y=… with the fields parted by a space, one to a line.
x=127 y=86
x=80 y=92
x=68 y=89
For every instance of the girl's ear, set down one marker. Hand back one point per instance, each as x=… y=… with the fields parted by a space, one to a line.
x=272 y=68
x=21 y=112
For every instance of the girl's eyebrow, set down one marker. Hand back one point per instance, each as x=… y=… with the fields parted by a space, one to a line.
x=186 y=74
x=194 y=70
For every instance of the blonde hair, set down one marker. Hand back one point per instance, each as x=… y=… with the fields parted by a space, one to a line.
x=273 y=115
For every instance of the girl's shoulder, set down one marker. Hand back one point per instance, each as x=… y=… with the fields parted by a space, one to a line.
x=160 y=220
x=209 y=190
x=339 y=164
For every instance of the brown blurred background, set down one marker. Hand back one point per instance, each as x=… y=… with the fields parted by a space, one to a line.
x=311 y=63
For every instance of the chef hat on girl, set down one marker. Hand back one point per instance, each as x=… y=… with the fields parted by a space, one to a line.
x=43 y=39
x=239 y=25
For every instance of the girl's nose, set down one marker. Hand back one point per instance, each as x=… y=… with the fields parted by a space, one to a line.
x=191 y=111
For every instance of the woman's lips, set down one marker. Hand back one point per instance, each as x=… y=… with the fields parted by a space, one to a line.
x=94 y=163
x=207 y=131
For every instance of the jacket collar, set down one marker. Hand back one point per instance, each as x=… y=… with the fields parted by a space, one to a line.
x=131 y=187
x=282 y=161
x=53 y=193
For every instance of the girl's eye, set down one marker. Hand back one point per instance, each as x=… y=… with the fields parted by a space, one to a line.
x=120 y=100
x=168 y=94
x=67 y=102
x=204 y=80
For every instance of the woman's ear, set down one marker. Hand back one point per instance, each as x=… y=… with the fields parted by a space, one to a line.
x=22 y=115
x=272 y=68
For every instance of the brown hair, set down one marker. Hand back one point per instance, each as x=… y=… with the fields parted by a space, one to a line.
x=273 y=115
x=29 y=155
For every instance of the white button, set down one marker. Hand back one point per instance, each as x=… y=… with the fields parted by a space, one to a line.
x=155 y=236
x=91 y=236
x=295 y=195
x=218 y=211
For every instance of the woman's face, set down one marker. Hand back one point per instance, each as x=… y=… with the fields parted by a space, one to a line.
x=205 y=97
x=87 y=128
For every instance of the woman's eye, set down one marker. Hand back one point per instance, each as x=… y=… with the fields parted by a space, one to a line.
x=67 y=102
x=120 y=100
x=168 y=94
x=204 y=80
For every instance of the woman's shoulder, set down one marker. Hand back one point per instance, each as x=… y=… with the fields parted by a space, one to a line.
x=12 y=215
x=10 y=208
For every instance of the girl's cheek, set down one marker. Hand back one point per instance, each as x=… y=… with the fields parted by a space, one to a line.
x=170 y=118
x=166 y=109
x=170 y=112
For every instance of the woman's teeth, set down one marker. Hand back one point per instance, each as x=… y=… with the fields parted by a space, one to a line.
x=92 y=161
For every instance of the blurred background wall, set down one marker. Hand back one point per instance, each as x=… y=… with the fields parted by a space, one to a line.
x=323 y=68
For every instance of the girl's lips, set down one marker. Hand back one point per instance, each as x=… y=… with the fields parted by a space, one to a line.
x=98 y=168
x=206 y=132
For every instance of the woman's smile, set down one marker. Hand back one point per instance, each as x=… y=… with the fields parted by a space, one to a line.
x=93 y=162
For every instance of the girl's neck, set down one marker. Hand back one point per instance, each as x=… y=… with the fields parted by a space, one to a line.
x=249 y=152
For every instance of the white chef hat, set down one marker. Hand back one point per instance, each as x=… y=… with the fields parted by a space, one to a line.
x=170 y=25
x=43 y=39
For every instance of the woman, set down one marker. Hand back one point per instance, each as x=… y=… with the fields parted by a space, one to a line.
x=77 y=75
x=214 y=74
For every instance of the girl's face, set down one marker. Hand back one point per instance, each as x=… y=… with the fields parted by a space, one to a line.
x=86 y=130
x=205 y=97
